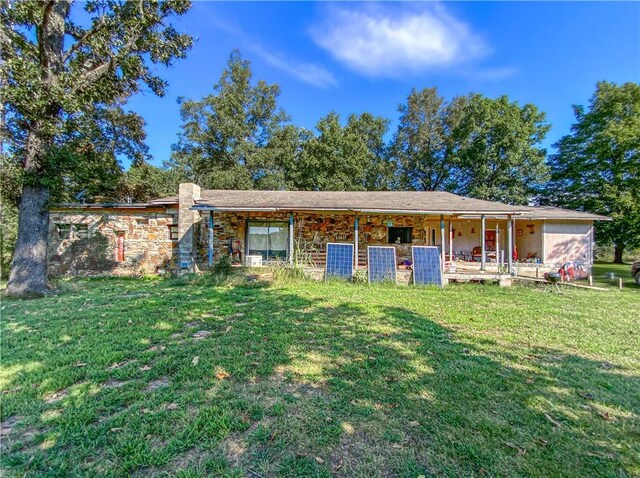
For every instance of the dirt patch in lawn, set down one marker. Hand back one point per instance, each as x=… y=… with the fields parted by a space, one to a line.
x=156 y=384
x=56 y=396
x=112 y=383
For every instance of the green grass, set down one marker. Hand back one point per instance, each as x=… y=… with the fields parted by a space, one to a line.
x=319 y=379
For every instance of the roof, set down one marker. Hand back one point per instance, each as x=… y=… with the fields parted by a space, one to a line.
x=358 y=201
x=549 y=212
x=417 y=202
x=105 y=205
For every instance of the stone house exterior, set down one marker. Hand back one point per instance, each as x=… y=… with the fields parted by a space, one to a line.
x=190 y=231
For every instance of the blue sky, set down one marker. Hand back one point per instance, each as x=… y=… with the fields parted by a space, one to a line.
x=356 y=57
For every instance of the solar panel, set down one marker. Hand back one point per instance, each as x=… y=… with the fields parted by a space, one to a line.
x=426 y=265
x=339 y=260
x=381 y=263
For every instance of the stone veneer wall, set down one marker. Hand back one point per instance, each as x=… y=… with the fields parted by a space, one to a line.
x=147 y=244
x=312 y=231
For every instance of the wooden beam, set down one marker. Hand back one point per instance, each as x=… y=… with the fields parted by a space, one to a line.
x=498 y=261
x=483 y=229
x=510 y=243
x=442 y=242
x=291 y=245
x=450 y=240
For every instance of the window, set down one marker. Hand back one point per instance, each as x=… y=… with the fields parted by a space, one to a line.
x=81 y=231
x=173 y=232
x=268 y=239
x=400 y=235
x=64 y=231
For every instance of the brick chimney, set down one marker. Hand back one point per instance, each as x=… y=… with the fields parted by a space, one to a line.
x=188 y=194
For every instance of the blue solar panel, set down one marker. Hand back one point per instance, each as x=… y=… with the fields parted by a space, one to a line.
x=426 y=265
x=339 y=260
x=381 y=263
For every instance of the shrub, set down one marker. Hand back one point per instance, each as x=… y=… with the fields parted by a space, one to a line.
x=222 y=267
x=360 y=277
x=284 y=271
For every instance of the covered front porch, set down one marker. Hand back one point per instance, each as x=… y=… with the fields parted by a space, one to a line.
x=300 y=237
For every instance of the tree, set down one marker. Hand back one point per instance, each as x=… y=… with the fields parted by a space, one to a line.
x=423 y=146
x=497 y=153
x=222 y=134
x=143 y=181
x=271 y=167
x=88 y=149
x=370 y=129
x=45 y=84
x=597 y=166
x=341 y=158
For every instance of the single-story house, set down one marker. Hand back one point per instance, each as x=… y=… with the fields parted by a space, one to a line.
x=188 y=232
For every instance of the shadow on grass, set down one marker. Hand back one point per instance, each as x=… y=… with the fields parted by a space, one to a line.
x=104 y=380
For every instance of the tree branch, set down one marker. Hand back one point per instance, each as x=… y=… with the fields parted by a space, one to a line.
x=76 y=46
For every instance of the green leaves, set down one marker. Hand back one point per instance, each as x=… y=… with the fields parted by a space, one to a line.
x=224 y=132
x=473 y=145
x=597 y=166
x=56 y=70
x=497 y=150
x=344 y=158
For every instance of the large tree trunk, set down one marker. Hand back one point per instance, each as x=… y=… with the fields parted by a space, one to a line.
x=28 y=275
x=29 y=267
x=617 y=253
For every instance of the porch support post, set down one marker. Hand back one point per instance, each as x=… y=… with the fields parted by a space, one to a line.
x=291 y=245
x=510 y=243
x=355 y=240
x=483 y=228
x=450 y=240
x=210 y=239
x=442 y=241
x=498 y=261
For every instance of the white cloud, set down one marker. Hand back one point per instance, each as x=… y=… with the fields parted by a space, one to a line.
x=313 y=74
x=310 y=73
x=395 y=40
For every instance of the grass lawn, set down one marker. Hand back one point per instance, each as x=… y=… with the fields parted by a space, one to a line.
x=152 y=377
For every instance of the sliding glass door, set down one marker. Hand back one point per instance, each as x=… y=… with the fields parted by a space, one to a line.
x=268 y=239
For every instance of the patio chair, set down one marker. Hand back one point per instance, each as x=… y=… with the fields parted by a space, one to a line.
x=476 y=254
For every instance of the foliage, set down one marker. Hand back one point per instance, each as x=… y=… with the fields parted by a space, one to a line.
x=8 y=232
x=423 y=146
x=283 y=271
x=100 y=379
x=597 y=165
x=143 y=181
x=88 y=149
x=222 y=134
x=74 y=95
x=497 y=150
x=473 y=145
x=343 y=158
x=222 y=266
x=63 y=85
